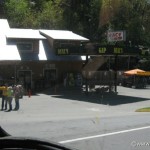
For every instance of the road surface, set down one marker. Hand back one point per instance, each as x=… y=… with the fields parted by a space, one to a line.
x=93 y=122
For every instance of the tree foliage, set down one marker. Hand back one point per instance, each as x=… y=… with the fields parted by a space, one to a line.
x=51 y=16
x=133 y=18
x=90 y=18
x=82 y=16
x=34 y=14
x=16 y=14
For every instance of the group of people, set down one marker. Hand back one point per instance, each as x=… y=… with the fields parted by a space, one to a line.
x=8 y=94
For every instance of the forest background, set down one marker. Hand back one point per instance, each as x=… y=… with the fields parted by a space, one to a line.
x=89 y=18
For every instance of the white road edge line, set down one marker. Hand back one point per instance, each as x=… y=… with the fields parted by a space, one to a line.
x=102 y=135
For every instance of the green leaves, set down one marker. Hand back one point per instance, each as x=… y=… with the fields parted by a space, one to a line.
x=34 y=14
x=51 y=15
x=16 y=11
x=90 y=18
x=131 y=16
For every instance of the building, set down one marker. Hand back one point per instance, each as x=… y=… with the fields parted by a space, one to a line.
x=30 y=57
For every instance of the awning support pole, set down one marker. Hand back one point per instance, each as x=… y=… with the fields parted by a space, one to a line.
x=116 y=69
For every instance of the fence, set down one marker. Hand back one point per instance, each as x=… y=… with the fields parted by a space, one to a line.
x=104 y=80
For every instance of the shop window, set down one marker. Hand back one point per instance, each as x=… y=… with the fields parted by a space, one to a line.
x=25 y=47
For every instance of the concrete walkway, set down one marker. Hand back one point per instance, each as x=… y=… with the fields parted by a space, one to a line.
x=67 y=105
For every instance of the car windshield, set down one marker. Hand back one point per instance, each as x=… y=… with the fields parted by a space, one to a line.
x=75 y=74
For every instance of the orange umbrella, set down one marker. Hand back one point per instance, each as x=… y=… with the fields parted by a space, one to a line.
x=133 y=72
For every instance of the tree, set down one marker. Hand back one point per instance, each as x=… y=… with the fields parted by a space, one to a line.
x=34 y=14
x=16 y=15
x=82 y=16
x=51 y=16
x=90 y=18
x=1 y=8
x=131 y=16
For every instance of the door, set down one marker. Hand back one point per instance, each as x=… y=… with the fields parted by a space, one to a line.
x=49 y=77
x=25 y=78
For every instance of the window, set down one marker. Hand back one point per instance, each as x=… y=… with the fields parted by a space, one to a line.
x=25 y=47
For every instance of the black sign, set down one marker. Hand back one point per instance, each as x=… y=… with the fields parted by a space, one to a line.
x=116 y=50
x=63 y=51
x=75 y=50
x=98 y=50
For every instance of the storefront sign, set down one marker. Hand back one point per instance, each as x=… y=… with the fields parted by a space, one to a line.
x=116 y=50
x=110 y=50
x=63 y=51
x=116 y=36
x=98 y=50
x=74 y=50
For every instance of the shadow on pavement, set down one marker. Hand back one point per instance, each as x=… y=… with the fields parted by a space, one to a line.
x=105 y=98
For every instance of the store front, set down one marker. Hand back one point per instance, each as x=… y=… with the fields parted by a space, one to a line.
x=50 y=77
x=29 y=57
x=24 y=77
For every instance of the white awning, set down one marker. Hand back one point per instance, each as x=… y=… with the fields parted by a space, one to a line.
x=9 y=53
x=24 y=34
x=4 y=26
x=63 y=35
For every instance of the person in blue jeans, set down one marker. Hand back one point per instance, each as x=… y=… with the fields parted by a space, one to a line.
x=17 y=95
x=10 y=94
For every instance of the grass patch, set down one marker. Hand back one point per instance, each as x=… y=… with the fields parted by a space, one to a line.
x=147 y=109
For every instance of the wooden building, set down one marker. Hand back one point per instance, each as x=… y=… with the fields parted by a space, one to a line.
x=29 y=57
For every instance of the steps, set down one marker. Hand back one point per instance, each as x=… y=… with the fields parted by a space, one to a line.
x=93 y=65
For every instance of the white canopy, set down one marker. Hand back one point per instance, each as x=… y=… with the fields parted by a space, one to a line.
x=9 y=53
x=63 y=35
x=24 y=34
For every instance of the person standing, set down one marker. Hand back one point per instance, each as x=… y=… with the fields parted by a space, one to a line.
x=9 y=97
x=4 y=97
x=17 y=95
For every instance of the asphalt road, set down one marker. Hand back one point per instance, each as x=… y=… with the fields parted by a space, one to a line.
x=93 y=122
x=120 y=140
